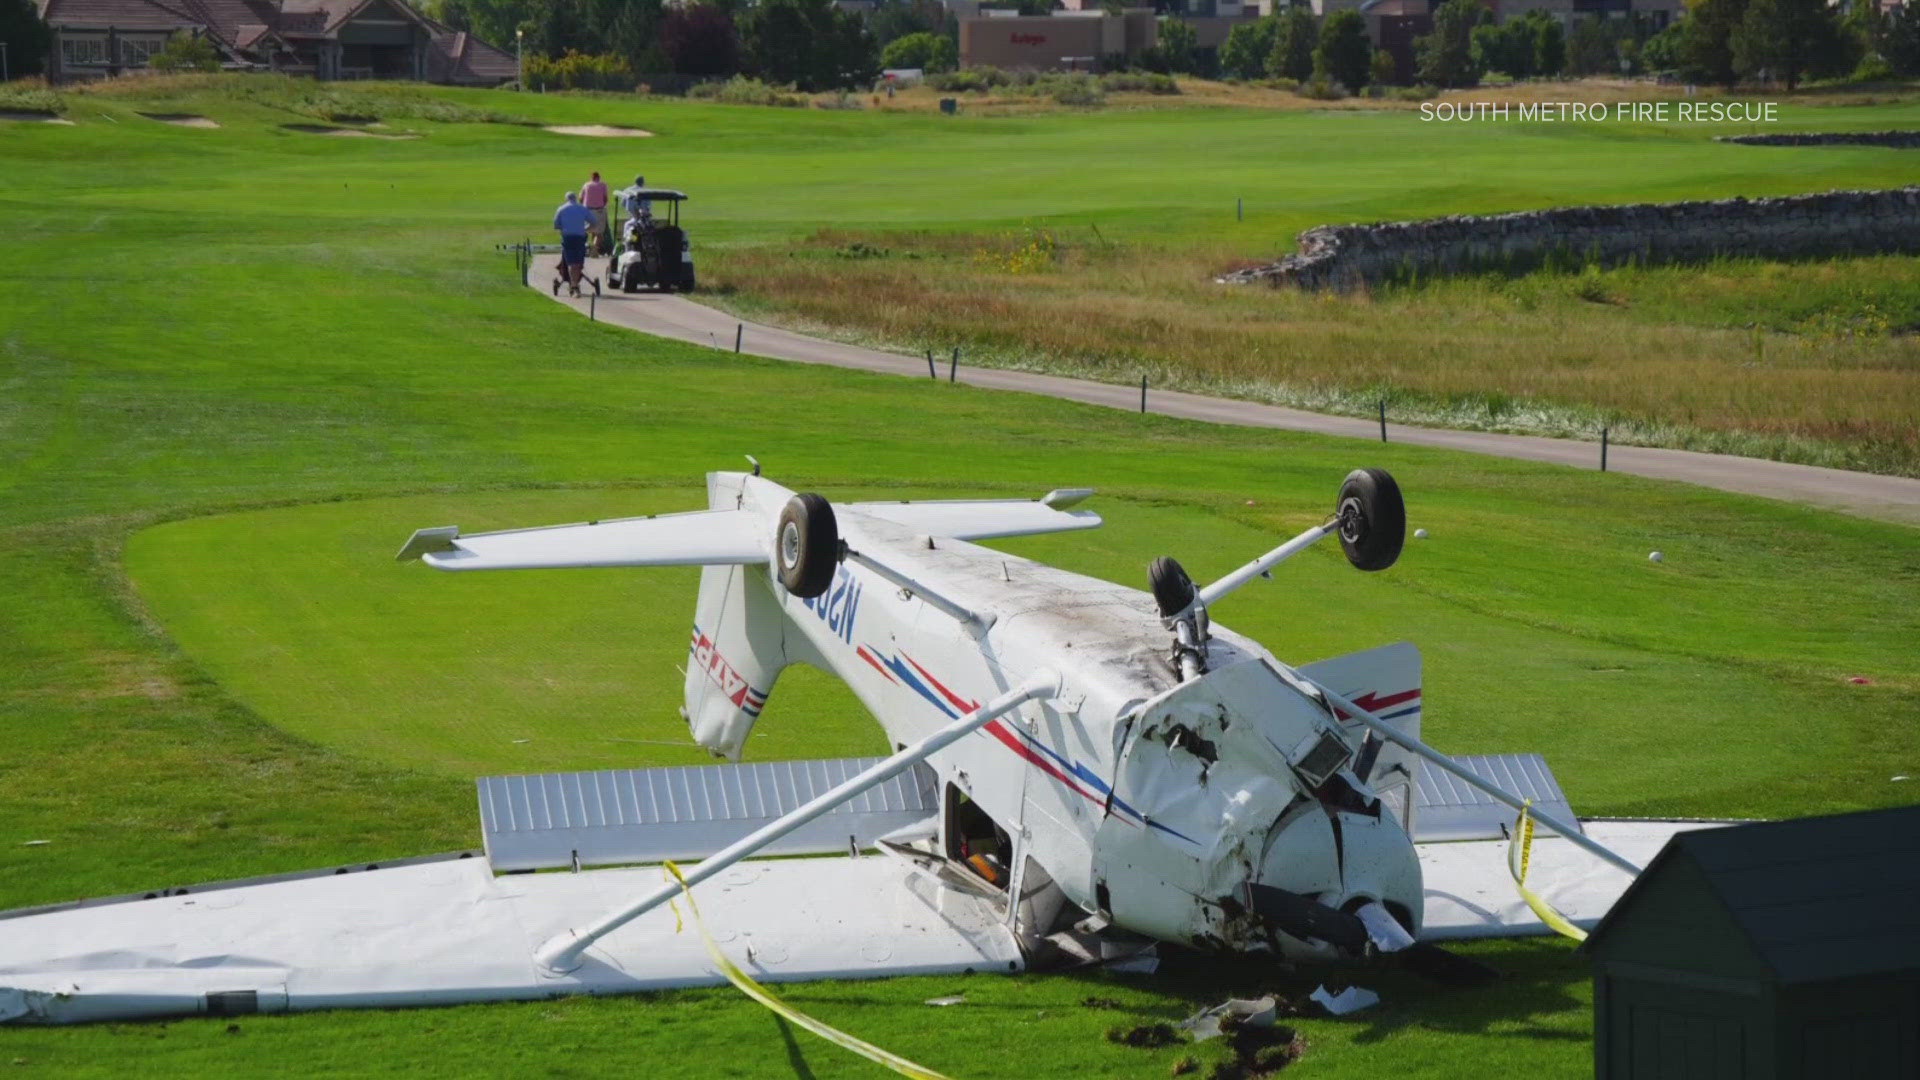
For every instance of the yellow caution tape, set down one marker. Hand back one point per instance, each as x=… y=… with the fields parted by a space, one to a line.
x=760 y=994
x=1522 y=846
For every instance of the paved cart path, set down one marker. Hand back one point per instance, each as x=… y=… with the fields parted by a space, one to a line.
x=1889 y=498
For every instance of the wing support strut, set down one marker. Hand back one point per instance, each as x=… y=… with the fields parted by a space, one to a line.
x=1439 y=760
x=1268 y=561
x=561 y=953
x=959 y=614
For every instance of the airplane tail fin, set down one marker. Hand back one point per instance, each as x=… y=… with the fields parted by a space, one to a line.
x=739 y=648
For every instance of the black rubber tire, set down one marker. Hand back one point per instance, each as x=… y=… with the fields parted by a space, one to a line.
x=1373 y=519
x=806 y=545
x=687 y=282
x=1173 y=590
x=629 y=281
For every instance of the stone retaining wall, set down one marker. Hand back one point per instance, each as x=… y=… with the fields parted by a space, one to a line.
x=1795 y=227
x=1899 y=140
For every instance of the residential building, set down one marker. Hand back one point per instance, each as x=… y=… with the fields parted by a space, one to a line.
x=327 y=39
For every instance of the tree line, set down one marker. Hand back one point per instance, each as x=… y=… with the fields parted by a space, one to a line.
x=809 y=44
x=1725 y=42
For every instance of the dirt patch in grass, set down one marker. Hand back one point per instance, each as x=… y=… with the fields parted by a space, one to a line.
x=1145 y=1036
x=191 y=120
x=598 y=131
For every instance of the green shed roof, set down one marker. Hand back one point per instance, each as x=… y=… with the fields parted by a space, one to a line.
x=1814 y=898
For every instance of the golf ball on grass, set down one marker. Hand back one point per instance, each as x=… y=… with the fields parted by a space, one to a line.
x=1419 y=534
x=1654 y=556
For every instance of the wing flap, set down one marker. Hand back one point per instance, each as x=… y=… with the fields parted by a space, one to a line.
x=984 y=519
x=700 y=538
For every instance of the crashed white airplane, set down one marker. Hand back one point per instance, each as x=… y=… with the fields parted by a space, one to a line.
x=1081 y=770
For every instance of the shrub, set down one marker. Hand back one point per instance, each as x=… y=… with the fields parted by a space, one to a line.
x=978 y=78
x=185 y=52
x=1074 y=88
x=30 y=95
x=1873 y=68
x=1421 y=92
x=1321 y=88
x=744 y=90
x=1138 y=82
x=580 y=71
x=1385 y=71
x=843 y=101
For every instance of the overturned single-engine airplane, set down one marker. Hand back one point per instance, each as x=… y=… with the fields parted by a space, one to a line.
x=1080 y=770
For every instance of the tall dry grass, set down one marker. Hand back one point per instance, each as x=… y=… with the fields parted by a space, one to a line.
x=1708 y=358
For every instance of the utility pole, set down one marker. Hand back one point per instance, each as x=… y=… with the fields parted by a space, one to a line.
x=519 y=59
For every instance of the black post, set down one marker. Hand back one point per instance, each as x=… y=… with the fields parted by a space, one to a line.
x=739 y=331
x=1383 y=419
x=953 y=368
x=932 y=372
x=1603 y=449
x=593 y=303
x=1143 y=393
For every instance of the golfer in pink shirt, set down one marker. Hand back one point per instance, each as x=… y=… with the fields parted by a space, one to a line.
x=593 y=196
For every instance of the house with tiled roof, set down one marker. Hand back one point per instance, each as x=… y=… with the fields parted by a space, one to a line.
x=327 y=39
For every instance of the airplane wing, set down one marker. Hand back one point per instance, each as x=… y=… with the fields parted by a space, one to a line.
x=987 y=519
x=455 y=928
x=449 y=930
x=700 y=538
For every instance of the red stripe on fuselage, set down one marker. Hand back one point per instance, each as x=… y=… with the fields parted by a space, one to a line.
x=952 y=698
x=1018 y=745
x=868 y=657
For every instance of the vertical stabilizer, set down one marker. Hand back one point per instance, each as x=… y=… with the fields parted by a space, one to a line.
x=738 y=650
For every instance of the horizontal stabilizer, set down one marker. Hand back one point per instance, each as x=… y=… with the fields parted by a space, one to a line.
x=700 y=538
x=986 y=519
x=1449 y=810
x=616 y=816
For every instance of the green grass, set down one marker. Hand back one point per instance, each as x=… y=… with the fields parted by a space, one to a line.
x=237 y=366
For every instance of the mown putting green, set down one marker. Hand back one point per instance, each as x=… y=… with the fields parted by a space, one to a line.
x=239 y=368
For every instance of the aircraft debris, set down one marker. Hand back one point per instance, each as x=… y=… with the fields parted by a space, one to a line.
x=1212 y=1022
x=1351 y=1000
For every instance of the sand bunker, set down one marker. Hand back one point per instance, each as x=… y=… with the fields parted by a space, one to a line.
x=322 y=129
x=598 y=131
x=182 y=119
x=34 y=118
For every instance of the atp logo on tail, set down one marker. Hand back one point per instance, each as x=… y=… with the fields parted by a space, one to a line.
x=732 y=684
